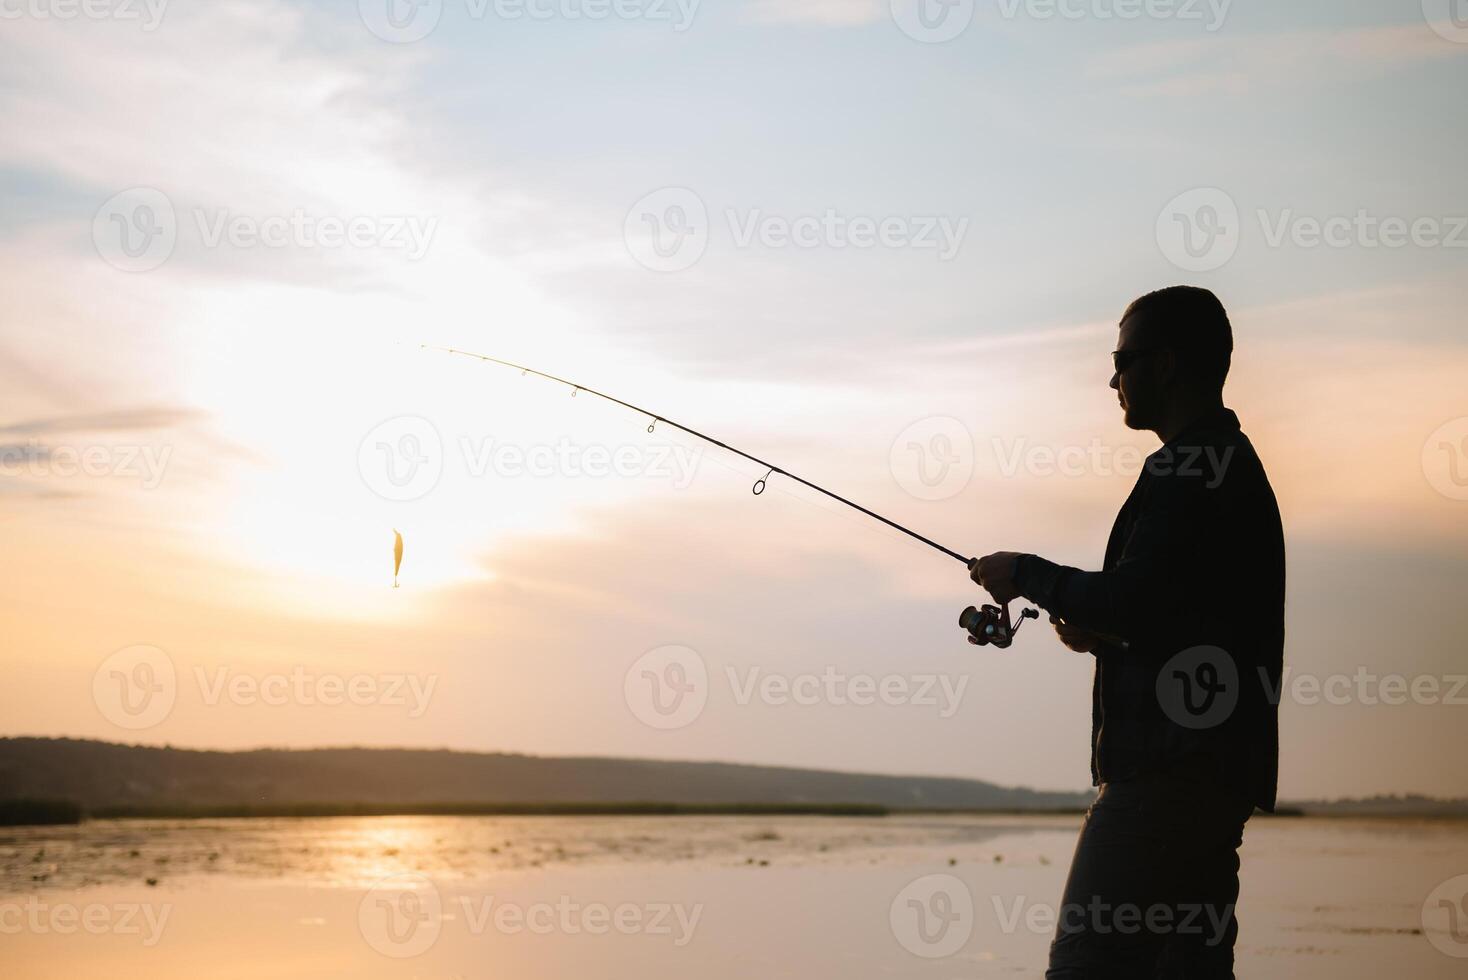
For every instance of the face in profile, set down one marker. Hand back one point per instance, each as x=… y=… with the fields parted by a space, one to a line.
x=1136 y=379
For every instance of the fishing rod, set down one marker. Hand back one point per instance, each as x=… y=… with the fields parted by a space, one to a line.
x=991 y=626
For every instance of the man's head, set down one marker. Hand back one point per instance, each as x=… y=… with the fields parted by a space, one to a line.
x=1173 y=355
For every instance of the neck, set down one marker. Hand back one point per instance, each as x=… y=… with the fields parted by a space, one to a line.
x=1185 y=414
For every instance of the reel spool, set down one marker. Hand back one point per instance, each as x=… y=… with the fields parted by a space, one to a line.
x=991 y=626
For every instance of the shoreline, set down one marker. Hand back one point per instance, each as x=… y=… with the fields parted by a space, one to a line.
x=630 y=809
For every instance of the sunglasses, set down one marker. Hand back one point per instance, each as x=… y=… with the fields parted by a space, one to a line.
x=1123 y=359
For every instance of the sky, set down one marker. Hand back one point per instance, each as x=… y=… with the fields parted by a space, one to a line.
x=883 y=244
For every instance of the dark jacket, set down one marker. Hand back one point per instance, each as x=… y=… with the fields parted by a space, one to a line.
x=1191 y=597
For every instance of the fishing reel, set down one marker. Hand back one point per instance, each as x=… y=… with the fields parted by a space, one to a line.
x=990 y=625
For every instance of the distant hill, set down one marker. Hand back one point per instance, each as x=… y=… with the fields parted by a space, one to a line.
x=1384 y=806
x=105 y=776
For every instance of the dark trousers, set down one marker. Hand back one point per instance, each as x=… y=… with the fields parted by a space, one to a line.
x=1153 y=884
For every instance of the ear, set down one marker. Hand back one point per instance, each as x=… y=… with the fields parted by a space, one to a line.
x=1168 y=367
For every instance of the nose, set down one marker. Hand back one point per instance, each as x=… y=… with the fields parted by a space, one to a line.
x=1116 y=381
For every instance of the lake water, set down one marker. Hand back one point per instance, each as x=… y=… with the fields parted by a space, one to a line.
x=715 y=897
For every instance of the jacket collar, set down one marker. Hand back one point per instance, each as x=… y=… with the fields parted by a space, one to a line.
x=1223 y=420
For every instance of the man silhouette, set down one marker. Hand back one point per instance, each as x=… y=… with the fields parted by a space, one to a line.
x=1186 y=624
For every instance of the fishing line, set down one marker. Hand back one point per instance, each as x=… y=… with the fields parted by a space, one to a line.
x=760 y=485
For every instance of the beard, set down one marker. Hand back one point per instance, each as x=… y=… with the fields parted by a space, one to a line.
x=1134 y=416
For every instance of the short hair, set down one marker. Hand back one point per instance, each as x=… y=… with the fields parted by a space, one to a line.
x=1192 y=323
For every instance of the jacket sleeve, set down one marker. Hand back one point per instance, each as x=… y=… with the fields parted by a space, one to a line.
x=1147 y=593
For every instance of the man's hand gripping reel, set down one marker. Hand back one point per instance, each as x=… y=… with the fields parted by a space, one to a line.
x=990 y=625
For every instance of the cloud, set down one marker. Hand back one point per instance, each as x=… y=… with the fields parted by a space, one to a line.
x=127 y=420
x=1237 y=65
x=250 y=118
